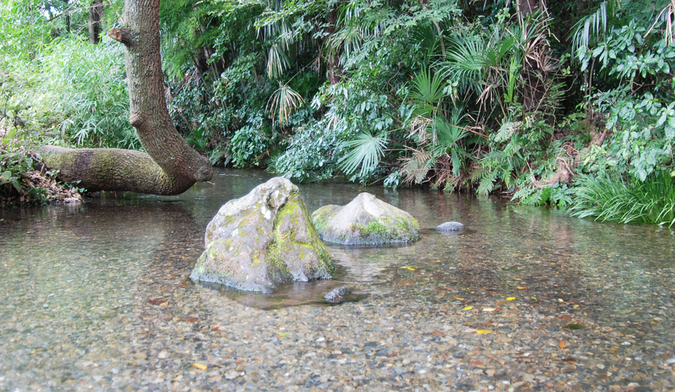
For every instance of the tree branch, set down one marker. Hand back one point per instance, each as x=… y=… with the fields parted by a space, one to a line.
x=121 y=35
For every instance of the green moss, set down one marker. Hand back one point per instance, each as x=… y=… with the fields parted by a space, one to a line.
x=321 y=216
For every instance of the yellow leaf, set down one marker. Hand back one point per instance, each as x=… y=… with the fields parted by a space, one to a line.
x=562 y=345
x=560 y=300
x=410 y=268
x=488 y=309
x=199 y=366
x=468 y=308
x=575 y=306
x=521 y=287
x=483 y=331
x=511 y=298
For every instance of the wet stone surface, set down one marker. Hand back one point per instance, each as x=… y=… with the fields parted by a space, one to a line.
x=97 y=297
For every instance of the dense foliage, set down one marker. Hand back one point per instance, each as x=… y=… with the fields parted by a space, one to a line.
x=488 y=97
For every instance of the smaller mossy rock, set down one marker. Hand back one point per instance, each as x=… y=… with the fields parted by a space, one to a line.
x=366 y=220
x=263 y=239
x=450 y=226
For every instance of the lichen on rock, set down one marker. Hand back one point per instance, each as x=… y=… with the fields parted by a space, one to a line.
x=261 y=240
x=366 y=220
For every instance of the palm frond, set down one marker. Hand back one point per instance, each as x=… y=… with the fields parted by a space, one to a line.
x=365 y=152
x=465 y=63
x=428 y=88
x=277 y=61
x=283 y=103
x=592 y=27
x=415 y=168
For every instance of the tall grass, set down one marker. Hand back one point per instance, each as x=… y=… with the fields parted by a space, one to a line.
x=618 y=200
x=77 y=93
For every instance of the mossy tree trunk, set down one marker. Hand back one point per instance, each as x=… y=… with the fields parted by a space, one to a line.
x=171 y=166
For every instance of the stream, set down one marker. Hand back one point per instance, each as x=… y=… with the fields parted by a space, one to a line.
x=96 y=296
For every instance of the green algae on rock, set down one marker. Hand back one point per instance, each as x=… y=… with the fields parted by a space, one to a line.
x=366 y=220
x=263 y=239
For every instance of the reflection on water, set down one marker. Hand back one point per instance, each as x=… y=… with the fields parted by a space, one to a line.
x=69 y=275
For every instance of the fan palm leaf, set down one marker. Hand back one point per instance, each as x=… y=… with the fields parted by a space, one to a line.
x=365 y=152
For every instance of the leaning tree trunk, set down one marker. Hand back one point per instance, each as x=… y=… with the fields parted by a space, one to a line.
x=171 y=166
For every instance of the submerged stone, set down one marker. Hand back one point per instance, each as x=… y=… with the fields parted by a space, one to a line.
x=450 y=226
x=263 y=239
x=366 y=220
x=335 y=295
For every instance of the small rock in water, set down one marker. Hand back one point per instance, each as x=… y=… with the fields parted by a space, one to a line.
x=450 y=226
x=335 y=296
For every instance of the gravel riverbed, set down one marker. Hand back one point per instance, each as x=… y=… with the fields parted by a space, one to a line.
x=97 y=298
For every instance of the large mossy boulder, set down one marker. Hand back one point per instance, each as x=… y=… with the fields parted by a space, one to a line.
x=366 y=220
x=263 y=239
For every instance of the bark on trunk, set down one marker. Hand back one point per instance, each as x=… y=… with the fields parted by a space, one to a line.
x=95 y=12
x=172 y=166
x=526 y=7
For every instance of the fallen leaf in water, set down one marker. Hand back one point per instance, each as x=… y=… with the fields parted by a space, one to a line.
x=565 y=317
x=560 y=300
x=483 y=331
x=442 y=289
x=433 y=261
x=192 y=319
x=199 y=366
x=459 y=299
x=283 y=334
x=410 y=268
x=569 y=360
x=155 y=301
x=562 y=345
x=534 y=298
x=468 y=308
x=438 y=334
x=164 y=303
x=574 y=326
x=488 y=309
x=521 y=287
x=575 y=306
x=475 y=363
x=511 y=298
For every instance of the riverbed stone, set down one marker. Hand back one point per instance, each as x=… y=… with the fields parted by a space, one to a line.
x=336 y=295
x=366 y=220
x=261 y=240
x=450 y=226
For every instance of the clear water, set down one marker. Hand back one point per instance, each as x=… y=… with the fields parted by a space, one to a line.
x=72 y=277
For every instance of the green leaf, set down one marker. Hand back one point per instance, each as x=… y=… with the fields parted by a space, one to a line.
x=366 y=153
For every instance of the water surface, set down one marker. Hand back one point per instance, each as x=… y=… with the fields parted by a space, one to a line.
x=92 y=294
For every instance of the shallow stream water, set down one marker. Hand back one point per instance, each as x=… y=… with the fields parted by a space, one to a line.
x=97 y=297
